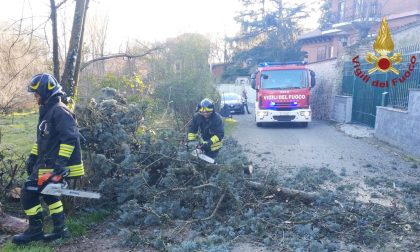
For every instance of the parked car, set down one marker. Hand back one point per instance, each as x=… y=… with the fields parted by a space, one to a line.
x=234 y=102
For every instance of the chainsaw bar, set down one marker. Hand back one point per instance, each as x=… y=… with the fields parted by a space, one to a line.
x=199 y=153
x=60 y=189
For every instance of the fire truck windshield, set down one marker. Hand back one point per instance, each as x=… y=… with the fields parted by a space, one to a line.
x=284 y=79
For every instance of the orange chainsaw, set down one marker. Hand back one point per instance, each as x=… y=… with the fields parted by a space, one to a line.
x=50 y=184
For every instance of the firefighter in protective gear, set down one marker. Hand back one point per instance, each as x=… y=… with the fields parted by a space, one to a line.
x=210 y=125
x=56 y=154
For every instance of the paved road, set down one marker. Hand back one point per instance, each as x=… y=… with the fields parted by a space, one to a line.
x=286 y=148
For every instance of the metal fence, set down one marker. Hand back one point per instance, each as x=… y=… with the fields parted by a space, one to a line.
x=367 y=97
x=397 y=95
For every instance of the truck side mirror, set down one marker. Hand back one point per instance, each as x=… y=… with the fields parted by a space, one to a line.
x=313 y=81
x=253 y=82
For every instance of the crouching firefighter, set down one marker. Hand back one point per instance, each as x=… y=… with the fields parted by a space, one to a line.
x=210 y=125
x=55 y=155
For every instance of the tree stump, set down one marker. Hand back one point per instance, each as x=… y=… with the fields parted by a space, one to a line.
x=10 y=224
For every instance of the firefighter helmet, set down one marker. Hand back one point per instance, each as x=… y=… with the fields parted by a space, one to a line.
x=206 y=105
x=45 y=85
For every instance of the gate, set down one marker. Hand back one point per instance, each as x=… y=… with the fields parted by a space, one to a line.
x=366 y=97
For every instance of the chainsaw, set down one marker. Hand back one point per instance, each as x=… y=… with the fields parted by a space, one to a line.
x=59 y=188
x=198 y=152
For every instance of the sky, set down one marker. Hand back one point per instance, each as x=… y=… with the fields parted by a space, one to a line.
x=146 y=20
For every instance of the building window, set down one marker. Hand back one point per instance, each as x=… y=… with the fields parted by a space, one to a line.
x=341 y=6
x=321 y=53
x=324 y=52
x=331 y=52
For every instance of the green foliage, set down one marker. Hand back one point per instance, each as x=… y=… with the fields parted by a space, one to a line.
x=268 y=33
x=182 y=76
x=161 y=193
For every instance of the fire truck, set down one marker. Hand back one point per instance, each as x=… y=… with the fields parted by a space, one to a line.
x=282 y=92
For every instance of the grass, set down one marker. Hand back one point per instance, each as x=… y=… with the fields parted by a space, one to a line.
x=78 y=226
x=32 y=247
x=230 y=125
x=18 y=132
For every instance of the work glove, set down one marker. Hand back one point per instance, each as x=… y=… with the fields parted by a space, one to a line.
x=29 y=164
x=206 y=145
x=192 y=144
x=59 y=169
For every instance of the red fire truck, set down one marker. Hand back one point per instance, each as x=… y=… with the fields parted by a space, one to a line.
x=282 y=92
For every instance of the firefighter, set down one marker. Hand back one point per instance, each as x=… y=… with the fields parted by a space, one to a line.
x=210 y=125
x=55 y=155
x=245 y=101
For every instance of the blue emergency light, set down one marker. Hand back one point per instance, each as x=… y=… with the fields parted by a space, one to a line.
x=272 y=104
x=282 y=63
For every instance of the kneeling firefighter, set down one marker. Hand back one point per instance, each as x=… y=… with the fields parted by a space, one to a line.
x=56 y=154
x=210 y=125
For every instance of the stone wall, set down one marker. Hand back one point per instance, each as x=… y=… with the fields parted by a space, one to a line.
x=401 y=128
x=342 y=109
x=328 y=84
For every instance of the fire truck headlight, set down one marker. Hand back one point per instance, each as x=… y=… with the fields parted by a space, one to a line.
x=262 y=113
x=306 y=114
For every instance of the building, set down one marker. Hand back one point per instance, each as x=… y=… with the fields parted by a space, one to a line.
x=353 y=20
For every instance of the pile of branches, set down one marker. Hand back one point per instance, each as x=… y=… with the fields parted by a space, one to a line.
x=168 y=200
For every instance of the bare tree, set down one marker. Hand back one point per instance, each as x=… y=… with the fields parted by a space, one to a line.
x=20 y=55
x=68 y=78
x=56 y=62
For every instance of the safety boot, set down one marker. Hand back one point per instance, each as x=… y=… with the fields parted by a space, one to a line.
x=33 y=233
x=60 y=230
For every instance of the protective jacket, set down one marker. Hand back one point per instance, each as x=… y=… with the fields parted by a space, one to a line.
x=58 y=141
x=211 y=129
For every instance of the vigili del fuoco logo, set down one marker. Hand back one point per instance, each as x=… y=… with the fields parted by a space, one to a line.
x=385 y=61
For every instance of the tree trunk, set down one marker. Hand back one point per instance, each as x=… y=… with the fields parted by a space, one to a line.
x=79 y=56
x=72 y=54
x=10 y=224
x=285 y=193
x=56 y=62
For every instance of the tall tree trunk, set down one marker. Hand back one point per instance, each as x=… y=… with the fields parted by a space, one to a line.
x=68 y=80
x=79 y=56
x=56 y=62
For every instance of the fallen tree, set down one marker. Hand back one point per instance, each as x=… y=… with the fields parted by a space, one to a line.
x=154 y=182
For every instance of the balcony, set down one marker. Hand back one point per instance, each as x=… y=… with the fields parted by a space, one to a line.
x=361 y=16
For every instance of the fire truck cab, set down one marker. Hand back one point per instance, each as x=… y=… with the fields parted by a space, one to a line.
x=282 y=92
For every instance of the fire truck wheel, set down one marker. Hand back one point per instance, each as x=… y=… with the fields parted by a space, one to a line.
x=259 y=124
x=304 y=124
